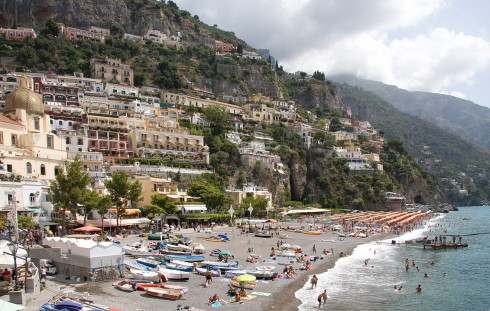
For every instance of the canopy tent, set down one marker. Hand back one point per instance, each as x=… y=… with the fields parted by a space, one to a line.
x=6 y=257
x=8 y=306
x=88 y=229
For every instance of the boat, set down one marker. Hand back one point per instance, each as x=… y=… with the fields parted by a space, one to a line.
x=157 y=236
x=166 y=251
x=263 y=234
x=341 y=235
x=133 y=264
x=203 y=271
x=183 y=263
x=199 y=249
x=143 y=286
x=179 y=247
x=263 y=274
x=68 y=305
x=145 y=275
x=265 y=268
x=245 y=285
x=174 y=266
x=219 y=264
x=124 y=285
x=313 y=232
x=188 y=258
x=148 y=262
x=234 y=273
x=171 y=274
x=141 y=252
x=164 y=293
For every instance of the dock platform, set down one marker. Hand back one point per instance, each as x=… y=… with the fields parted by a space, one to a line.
x=433 y=245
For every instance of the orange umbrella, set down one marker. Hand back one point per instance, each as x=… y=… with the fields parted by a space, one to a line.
x=88 y=229
x=272 y=220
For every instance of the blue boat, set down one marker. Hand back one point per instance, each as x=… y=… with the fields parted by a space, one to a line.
x=136 y=265
x=189 y=258
x=174 y=266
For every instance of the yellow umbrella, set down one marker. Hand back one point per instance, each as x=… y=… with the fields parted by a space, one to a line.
x=246 y=278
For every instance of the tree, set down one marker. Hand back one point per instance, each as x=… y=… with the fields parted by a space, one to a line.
x=50 y=28
x=218 y=117
x=69 y=188
x=259 y=204
x=122 y=192
x=103 y=206
x=117 y=30
x=239 y=48
x=139 y=79
x=160 y=203
x=93 y=200
x=320 y=76
x=206 y=186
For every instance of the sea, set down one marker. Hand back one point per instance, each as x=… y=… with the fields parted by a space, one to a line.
x=457 y=279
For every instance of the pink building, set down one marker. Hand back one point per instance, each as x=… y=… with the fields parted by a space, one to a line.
x=18 y=34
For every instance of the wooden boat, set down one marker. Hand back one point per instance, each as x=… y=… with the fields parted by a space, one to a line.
x=145 y=275
x=203 y=271
x=214 y=239
x=148 y=262
x=263 y=234
x=313 y=232
x=263 y=274
x=188 y=258
x=219 y=264
x=245 y=285
x=164 y=293
x=132 y=264
x=124 y=285
x=174 y=266
x=199 y=249
x=179 y=247
x=143 y=286
x=174 y=274
x=166 y=251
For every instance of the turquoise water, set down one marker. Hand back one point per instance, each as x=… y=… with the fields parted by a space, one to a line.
x=457 y=280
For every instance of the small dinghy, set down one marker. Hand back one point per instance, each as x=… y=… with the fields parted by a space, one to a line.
x=145 y=275
x=164 y=293
x=174 y=274
x=124 y=285
x=203 y=271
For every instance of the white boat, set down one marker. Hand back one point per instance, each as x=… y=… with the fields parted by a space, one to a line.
x=182 y=263
x=199 y=249
x=203 y=271
x=179 y=248
x=219 y=264
x=145 y=275
x=174 y=274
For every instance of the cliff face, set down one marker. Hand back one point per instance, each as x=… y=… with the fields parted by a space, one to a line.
x=135 y=16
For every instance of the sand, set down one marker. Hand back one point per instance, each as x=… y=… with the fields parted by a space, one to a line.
x=276 y=294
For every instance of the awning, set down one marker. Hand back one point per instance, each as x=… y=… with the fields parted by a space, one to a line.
x=189 y=208
x=127 y=212
x=113 y=222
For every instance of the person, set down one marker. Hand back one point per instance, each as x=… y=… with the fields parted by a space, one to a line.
x=43 y=272
x=209 y=278
x=322 y=297
x=213 y=298
x=426 y=275
x=237 y=297
x=231 y=290
x=273 y=254
x=242 y=292
x=418 y=289
x=314 y=281
x=394 y=287
x=7 y=275
x=314 y=249
x=400 y=288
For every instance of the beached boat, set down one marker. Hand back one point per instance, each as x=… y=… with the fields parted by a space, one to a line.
x=143 y=286
x=141 y=252
x=263 y=274
x=174 y=266
x=133 y=264
x=313 y=232
x=264 y=234
x=124 y=285
x=219 y=264
x=164 y=293
x=183 y=263
x=234 y=273
x=148 y=262
x=157 y=236
x=245 y=285
x=199 y=249
x=188 y=258
x=179 y=247
x=341 y=235
x=145 y=275
x=265 y=268
x=166 y=251
x=203 y=271
x=174 y=274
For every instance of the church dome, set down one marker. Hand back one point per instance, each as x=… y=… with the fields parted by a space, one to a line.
x=24 y=98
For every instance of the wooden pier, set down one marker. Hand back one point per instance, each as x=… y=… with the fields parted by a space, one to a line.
x=434 y=245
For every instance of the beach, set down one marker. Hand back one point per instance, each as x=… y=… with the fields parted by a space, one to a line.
x=276 y=294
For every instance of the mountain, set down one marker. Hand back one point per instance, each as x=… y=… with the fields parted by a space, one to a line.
x=461 y=117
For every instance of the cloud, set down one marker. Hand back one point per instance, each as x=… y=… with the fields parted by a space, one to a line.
x=376 y=39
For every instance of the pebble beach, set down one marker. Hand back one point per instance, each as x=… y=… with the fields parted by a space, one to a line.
x=269 y=294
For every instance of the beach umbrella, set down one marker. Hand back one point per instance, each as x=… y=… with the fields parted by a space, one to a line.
x=296 y=247
x=245 y=278
x=285 y=246
x=273 y=221
x=87 y=229
x=225 y=252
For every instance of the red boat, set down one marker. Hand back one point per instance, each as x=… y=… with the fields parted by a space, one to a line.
x=124 y=285
x=144 y=286
x=164 y=293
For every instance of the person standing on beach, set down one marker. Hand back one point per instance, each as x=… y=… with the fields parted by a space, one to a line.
x=314 y=281
x=322 y=297
x=208 y=278
x=314 y=249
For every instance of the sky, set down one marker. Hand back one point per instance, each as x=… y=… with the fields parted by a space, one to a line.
x=440 y=46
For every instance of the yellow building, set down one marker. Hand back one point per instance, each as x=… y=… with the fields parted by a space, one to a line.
x=27 y=146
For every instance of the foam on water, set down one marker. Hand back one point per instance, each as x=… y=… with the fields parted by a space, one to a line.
x=351 y=278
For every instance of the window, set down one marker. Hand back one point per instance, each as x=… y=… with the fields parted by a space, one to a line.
x=56 y=170
x=29 y=168
x=14 y=139
x=67 y=140
x=70 y=123
x=10 y=168
x=60 y=122
x=43 y=170
x=80 y=141
x=51 y=122
x=50 y=141
x=32 y=198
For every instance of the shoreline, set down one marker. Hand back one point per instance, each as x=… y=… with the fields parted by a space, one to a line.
x=276 y=294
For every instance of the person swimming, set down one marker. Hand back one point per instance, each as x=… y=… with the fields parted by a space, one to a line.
x=418 y=289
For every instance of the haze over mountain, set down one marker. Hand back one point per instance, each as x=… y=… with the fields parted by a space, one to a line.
x=457 y=115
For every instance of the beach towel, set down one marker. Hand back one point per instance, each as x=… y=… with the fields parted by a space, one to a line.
x=249 y=297
x=216 y=304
